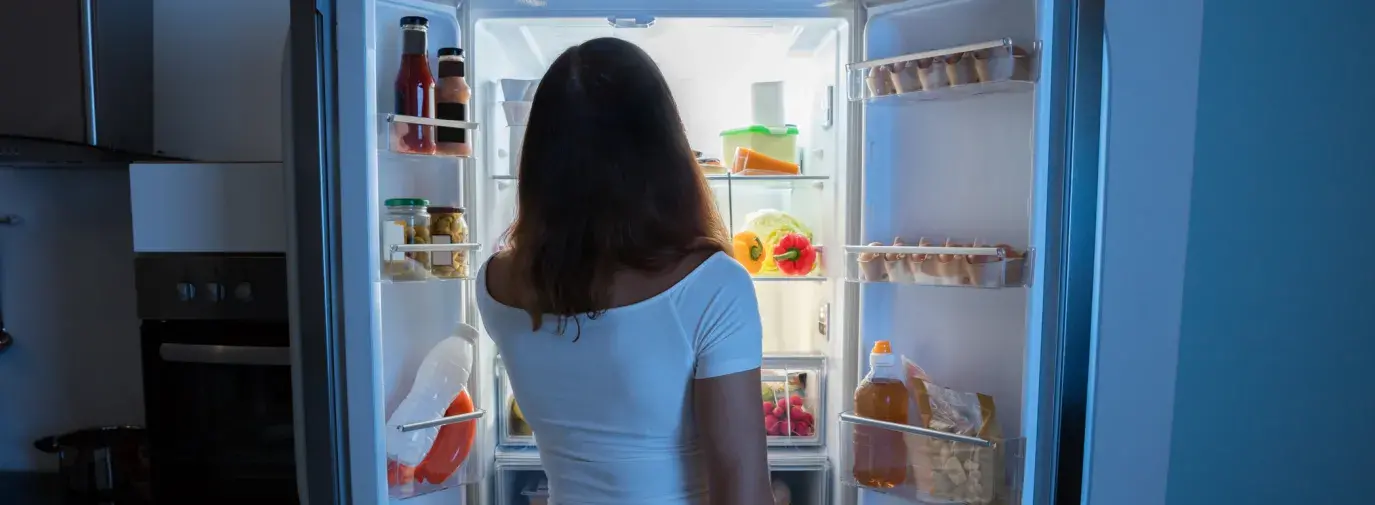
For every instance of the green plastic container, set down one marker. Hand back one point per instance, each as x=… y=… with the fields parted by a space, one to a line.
x=773 y=141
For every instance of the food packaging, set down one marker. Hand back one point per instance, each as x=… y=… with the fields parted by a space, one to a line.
x=778 y=142
x=923 y=266
x=984 y=271
x=871 y=267
x=751 y=162
x=1015 y=271
x=950 y=267
x=896 y=265
x=517 y=113
x=931 y=73
x=993 y=65
x=879 y=81
x=904 y=77
x=959 y=69
x=947 y=470
x=766 y=102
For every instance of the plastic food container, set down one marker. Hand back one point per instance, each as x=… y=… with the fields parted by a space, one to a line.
x=448 y=227
x=791 y=394
x=774 y=141
x=405 y=223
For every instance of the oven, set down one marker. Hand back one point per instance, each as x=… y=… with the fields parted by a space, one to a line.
x=217 y=378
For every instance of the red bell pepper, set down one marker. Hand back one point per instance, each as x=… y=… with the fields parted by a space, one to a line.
x=794 y=254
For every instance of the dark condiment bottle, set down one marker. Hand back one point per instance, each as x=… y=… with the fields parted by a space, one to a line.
x=452 y=94
x=414 y=89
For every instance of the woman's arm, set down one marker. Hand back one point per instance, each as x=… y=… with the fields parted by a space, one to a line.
x=736 y=456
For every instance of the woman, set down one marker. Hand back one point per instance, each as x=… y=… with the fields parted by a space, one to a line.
x=631 y=339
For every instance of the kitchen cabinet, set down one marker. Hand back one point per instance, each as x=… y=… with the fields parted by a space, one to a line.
x=217 y=71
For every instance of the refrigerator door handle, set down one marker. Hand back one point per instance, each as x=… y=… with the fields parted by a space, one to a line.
x=226 y=354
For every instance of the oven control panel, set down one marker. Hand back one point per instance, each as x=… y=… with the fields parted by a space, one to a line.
x=205 y=286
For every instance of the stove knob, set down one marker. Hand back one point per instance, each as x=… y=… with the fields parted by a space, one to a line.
x=186 y=291
x=216 y=291
x=244 y=292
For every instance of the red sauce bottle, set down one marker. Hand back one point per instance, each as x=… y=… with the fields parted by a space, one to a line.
x=414 y=90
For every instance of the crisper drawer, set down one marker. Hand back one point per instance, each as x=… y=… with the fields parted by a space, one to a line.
x=512 y=430
x=928 y=466
x=793 y=399
x=792 y=395
x=801 y=479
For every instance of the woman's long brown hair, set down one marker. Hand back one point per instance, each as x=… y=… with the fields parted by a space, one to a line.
x=608 y=183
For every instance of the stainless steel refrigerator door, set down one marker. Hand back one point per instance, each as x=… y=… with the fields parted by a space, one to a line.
x=1070 y=101
x=322 y=449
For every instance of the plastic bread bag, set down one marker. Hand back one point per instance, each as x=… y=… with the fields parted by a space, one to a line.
x=947 y=470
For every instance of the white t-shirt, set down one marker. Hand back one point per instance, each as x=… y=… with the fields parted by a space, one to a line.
x=613 y=411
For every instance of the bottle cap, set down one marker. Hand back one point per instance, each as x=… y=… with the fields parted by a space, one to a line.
x=882 y=347
x=414 y=21
x=450 y=51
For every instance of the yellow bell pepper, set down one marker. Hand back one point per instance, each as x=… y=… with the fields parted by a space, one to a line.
x=748 y=250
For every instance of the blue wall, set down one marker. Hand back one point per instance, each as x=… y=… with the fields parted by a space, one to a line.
x=1274 y=396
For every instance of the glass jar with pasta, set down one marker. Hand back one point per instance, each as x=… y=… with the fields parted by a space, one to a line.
x=448 y=227
x=405 y=222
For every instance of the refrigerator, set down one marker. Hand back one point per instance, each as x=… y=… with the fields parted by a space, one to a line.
x=948 y=168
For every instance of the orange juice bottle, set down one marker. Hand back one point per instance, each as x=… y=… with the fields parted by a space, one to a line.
x=881 y=455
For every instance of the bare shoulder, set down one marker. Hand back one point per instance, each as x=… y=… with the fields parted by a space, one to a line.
x=500 y=286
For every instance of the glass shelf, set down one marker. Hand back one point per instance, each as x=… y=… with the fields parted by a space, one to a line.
x=988 y=267
x=937 y=467
x=418 y=263
x=996 y=66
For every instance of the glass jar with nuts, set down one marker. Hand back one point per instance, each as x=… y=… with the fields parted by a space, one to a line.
x=405 y=222
x=448 y=227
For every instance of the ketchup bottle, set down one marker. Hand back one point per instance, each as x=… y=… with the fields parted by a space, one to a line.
x=414 y=90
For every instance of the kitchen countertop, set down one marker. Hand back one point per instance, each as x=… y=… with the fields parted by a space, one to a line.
x=30 y=488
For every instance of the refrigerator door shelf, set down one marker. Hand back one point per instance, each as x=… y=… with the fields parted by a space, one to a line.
x=409 y=482
x=396 y=125
x=989 y=267
x=997 y=66
x=940 y=468
x=422 y=263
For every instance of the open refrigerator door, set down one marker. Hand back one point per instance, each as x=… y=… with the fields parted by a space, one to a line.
x=963 y=171
x=415 y=426
x=947 y=90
